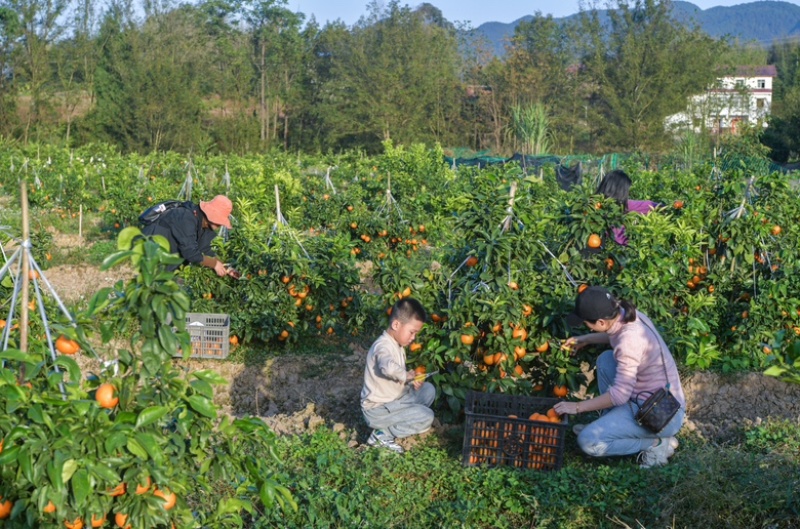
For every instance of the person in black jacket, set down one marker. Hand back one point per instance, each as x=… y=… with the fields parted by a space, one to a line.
x=190 y=228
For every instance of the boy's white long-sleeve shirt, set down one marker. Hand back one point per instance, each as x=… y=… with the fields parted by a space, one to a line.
x=384 y=373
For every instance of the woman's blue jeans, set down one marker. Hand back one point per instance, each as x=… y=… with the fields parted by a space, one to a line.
x=616 y=433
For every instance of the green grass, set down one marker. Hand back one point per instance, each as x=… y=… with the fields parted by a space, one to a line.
x=704 y=485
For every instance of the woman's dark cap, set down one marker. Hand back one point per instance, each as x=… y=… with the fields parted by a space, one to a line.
x=594 y=303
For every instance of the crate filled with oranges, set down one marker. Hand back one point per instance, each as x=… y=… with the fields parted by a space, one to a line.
x=514 y=431
x=209 y=334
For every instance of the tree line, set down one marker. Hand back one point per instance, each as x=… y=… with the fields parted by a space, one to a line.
x=251 y=75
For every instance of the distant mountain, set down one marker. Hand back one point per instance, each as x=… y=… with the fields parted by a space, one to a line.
x=764 y=22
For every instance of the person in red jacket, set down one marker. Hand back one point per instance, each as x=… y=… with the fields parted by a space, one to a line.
x=190 y=228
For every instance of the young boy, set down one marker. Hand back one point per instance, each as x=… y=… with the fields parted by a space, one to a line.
x=393 y=403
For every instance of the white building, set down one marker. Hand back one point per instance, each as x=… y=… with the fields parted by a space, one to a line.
x=744 y=97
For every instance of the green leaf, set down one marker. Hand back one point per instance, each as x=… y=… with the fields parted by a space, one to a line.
x=114 y=259
x=203 y=388
x=150 y=443
x=126 y=237
x=137 y=449
x=81 y=486
x=775 y=371
x=9 y=455
x=203 y=406
x=99 y=301
x=69 y=468
x=15 y=355
x=72 y=367
x=26 y=465
x=104 y=473
x=150 y=415
x=210 y=376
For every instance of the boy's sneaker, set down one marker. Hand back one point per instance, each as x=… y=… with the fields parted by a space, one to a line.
x=657 y=456
x=384 y=440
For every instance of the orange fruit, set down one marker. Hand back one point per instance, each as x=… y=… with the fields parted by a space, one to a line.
x=141 y=489
x=519 y=352
x=542 y=348
x=776 y=230
x=520 y=333
x=518 y=370
x=582 y=287
x=560 y=391
x=98 y=521
x=527 y=310
x=119 y=490
x=169 y=498
x=407 y=292
x=234 y=340
x=49 y=508
x=488 y=359
x=551 y=413
x=77 y=523
x=105 y=396
x=513 y=285
x=471 y=261
x=121 y=519
x=594 y=241
x=415 y=347
x=5 y=508
x=467 y=339
x=66 y=346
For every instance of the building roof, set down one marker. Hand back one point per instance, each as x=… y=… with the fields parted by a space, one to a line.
x=756 y=71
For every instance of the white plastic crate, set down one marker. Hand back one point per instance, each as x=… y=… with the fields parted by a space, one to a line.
x=209 y=334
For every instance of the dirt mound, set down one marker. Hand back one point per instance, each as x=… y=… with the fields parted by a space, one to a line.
x=719 y=406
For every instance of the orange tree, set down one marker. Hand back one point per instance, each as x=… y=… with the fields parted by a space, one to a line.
x=149 y=448
x=293 y=284
x=492 y=326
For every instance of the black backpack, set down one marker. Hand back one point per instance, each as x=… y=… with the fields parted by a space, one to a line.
x=153 y=213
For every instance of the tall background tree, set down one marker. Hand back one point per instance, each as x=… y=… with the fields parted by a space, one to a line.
x=10 y=31
x=148 y=82
x=783 y=134
x=39 y=28
x=393 y=76
x=643 y=66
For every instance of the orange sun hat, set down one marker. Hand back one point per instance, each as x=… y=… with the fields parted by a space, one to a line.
x=217 y=210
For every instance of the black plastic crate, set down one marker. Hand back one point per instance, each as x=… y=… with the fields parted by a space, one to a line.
x=498 y=432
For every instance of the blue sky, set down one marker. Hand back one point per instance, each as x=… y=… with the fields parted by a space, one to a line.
x=474 y=11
